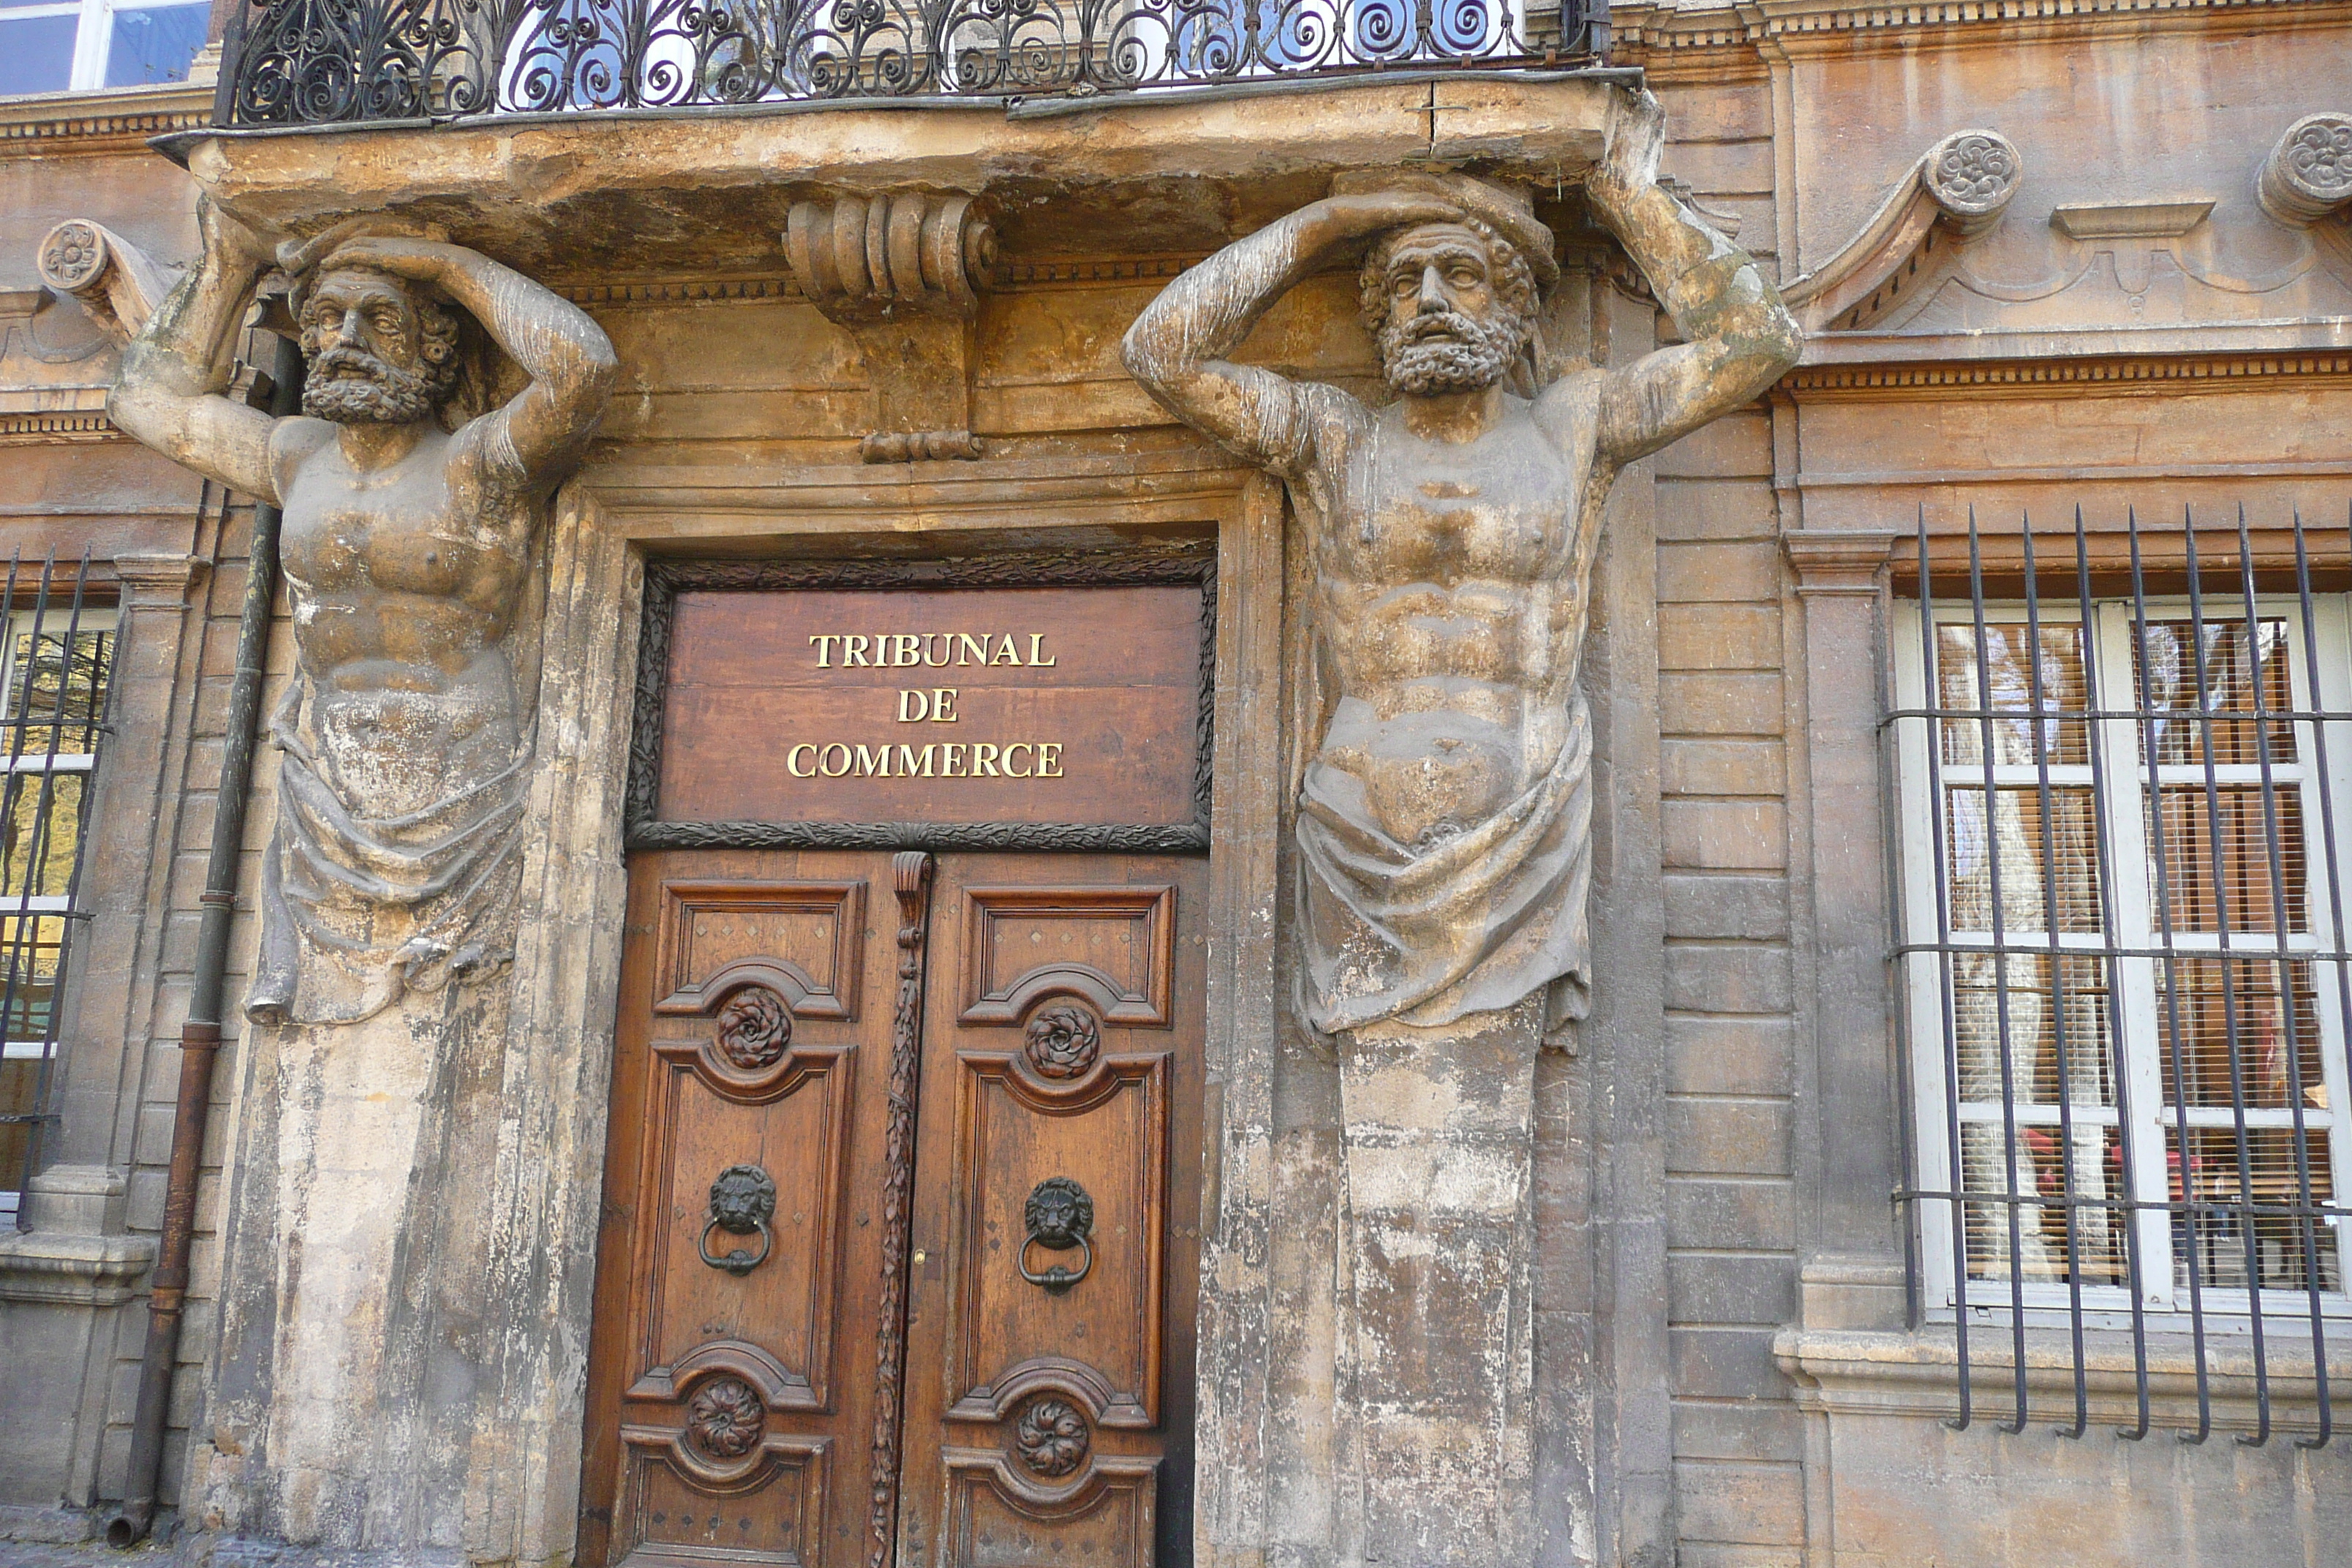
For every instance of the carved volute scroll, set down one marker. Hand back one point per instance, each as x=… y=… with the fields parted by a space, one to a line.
x=902 y=272
x=2308 y=176
x=114 y=280
x=1960 y=186
x=860 y=257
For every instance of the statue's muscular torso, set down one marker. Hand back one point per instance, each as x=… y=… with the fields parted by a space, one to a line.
x=1450 y=617
x=403 y=581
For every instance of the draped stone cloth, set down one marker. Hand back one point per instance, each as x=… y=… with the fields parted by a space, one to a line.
x=1474 y=921
x=361 y=900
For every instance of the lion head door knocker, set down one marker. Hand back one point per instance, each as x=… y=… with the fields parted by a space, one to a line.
x=1060 y=1215
x=755 y=1029
x=1052 y=1437
x=1062 y=1040
x=743 y=1201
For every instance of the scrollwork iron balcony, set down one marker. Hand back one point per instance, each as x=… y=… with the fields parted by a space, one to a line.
x=310 y=62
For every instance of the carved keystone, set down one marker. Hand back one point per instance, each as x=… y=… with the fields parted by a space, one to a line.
x=902 y=273
x=2308 y=176
x=113 y=278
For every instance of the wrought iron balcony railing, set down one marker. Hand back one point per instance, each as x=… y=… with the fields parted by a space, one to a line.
x=310 y=62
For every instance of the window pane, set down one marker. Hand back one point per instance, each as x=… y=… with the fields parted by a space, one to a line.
x=29 y=950
x=64 y=698
x=155 y=45
x=2217 y=857
x=2214 y=993
x=2169 y=686
x=2009 y=691
x=2036 y=860
x=2036 y=1160
x=36 y=860
x=2290 y=1249
x=36 y=54
x=2048 y=1016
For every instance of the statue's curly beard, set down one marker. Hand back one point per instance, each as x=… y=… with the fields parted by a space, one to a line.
x=354 y=387
x=1452 y=352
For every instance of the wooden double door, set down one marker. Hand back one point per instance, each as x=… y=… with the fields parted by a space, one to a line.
x=900 y=1231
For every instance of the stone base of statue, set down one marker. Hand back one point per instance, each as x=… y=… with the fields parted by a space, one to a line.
x=1436 y=1451
x=359 y=1353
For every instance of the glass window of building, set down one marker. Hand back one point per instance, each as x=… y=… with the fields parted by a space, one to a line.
x=2126 y=994
x=53 y=673
x=71 y=45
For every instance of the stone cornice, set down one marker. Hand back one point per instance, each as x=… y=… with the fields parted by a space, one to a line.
x=1658 y=35
x=116 y=121
x=2167 y=376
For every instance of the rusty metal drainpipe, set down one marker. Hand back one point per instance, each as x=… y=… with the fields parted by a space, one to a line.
x=200 y=1036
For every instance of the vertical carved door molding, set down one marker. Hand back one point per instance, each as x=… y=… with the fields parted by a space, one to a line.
x=911 y=873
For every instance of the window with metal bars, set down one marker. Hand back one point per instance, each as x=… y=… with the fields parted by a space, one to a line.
x=2125 y=991
x=55 y=668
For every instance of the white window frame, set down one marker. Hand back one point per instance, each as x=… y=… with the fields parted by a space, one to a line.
x=94 y=33
x=2123 y=777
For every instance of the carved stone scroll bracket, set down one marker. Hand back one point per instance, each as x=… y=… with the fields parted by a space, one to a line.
x=1957 y=189
x=2308 y=176
x=113 y=278
x=901 y=273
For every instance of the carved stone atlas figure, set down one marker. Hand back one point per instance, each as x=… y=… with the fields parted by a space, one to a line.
x=1443 y=811
x=405 y=550
x=358 y=1377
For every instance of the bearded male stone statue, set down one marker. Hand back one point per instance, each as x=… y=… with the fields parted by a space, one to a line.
x=1442 y=822
x=365 y=1380
x=406 y=547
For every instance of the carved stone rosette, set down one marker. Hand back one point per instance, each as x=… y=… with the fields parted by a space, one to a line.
x=1971 y=175
x=2308 y=176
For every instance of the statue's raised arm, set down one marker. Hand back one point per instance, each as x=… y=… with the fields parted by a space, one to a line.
x=1738 y=338
x=1177 y=346
x=168 y=391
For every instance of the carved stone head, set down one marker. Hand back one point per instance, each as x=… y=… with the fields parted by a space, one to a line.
x=380 y=351
x=1450 y=304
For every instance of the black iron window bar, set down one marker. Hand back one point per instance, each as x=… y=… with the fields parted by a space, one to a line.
x=307 y=62
x=2050 y=1021
x=60 y=657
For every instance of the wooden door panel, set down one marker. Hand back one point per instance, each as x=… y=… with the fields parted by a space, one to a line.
x=790 y=1123
x=1097 y=1338
x=1112 y=946
x=731 y=1392
x=1048 y=1412
x=998 y=1516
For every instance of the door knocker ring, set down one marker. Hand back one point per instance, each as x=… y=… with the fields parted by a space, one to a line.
x=742 y=1201
x=1059 y=1215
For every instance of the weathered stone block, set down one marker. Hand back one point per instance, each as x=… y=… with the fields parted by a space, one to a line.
x=1746 y=1502
x=1714 y=508
x=1704 y=978
x=1756 y=1288
x=1749 y=765
x=1748 y=908
x=1725 y=835
x=1719 y=636
x=1718 y=574
x=1717 y=1056
x=1731 y=1137
x=1753 y=1215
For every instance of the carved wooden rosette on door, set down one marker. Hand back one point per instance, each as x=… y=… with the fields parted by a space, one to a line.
x=1038 y=1376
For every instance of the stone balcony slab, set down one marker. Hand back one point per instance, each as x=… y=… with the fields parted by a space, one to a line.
x=1167 y=171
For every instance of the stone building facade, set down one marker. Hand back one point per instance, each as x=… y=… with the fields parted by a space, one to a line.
x=2048 y=261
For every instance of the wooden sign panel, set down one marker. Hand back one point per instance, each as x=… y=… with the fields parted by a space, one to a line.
x=938 y=713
